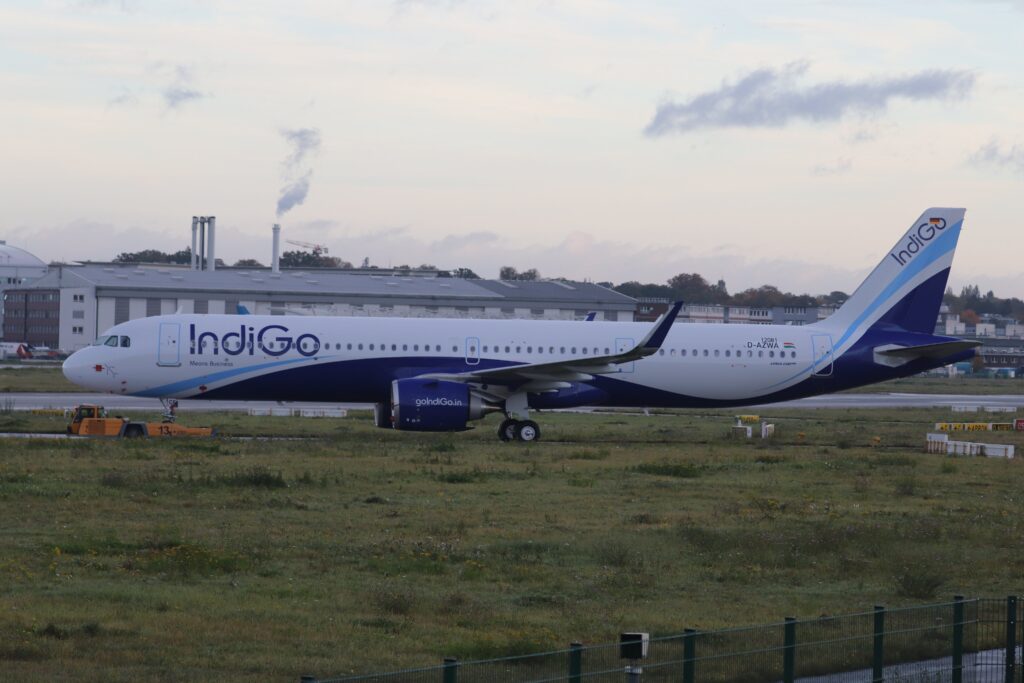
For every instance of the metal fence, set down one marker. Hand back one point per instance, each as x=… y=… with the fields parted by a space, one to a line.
x=964 y=641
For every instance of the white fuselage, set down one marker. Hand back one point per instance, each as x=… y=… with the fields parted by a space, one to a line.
x=185 y=356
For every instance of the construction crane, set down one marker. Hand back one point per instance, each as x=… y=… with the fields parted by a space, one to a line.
x=317 y=248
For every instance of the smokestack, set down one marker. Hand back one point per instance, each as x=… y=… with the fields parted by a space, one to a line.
x=195 y=231
x=211 y=255
x=202 y=243
x=275 y=256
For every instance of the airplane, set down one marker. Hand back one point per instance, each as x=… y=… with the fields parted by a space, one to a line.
x=441 y=375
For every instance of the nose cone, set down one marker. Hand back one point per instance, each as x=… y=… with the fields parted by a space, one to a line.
x=76 y=368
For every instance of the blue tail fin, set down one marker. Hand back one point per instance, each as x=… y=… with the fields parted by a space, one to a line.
x=905 y=290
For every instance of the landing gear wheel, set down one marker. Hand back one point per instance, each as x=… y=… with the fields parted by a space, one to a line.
x=507 y=430
x=527 y=431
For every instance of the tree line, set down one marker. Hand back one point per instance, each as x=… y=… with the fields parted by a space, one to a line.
x=689 y=287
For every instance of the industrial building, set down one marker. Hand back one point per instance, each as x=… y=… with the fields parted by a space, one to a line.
x=69 y=306
x=18 y=267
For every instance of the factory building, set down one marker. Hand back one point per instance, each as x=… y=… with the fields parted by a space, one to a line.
x=78 y=302
x=18 y=267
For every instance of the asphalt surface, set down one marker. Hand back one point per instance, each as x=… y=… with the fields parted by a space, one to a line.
x=31 y=401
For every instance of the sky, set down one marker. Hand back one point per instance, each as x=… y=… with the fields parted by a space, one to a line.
x=789 y=143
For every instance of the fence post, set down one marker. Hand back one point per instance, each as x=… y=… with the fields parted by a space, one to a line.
x=789 y=651
x=958 y=639
x=1011 y=638
x=451 y=670
x=689 y=654
x=878 y=661
x=575 y=662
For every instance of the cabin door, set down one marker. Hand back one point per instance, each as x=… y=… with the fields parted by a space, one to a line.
x=622 y=345
x=169 y=351
x=472 y=350
x=822 y=348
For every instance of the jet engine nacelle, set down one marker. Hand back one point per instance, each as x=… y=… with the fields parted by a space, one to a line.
x=429 y=405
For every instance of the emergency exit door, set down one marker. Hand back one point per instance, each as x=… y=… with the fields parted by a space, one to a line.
x=169 y=351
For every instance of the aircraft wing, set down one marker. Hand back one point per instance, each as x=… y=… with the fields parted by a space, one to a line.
x=541 y=375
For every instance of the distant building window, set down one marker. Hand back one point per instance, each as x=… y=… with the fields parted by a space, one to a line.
x=77 y=330
x=78 y=315
x=201 y=306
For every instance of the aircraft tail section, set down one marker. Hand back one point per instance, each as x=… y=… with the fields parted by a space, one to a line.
x=905 y=290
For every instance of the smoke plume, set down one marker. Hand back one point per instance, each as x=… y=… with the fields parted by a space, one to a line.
x=304 y=143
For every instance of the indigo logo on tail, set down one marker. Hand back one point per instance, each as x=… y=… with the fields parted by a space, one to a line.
x=919 y=239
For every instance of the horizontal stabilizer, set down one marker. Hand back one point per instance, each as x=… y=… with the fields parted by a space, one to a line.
x=894 y=356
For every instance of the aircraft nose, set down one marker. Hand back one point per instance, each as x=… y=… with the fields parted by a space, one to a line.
x=76 y=368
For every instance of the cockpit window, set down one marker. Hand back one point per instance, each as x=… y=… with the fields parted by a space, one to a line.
x=111 y=341
x=126 y=342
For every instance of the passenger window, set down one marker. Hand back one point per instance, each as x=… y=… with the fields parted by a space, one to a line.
x=472 y=349
x=672 y=352
x=405 y=347
x=760 y=354
x=508 y=349
x=540 y=349
x=607 y=351
x=519 y=349
x=349 y=346
x=750 y=354
x=415 y=347
x=360 y=347
x=371 y=347
x=792 y=354
x=728 y=353
x=705 y=352
x=551 y=349
x=574 y=350
x=771 y=354
x=394 y=347
x=455 y=349
x=529 y=349
x=562 y=350
x=716 y=353
x=661 y=352
x=695 y=352
x=682 y=352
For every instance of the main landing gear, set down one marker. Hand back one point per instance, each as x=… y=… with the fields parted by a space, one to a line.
x=516 y=426
x=518 y=430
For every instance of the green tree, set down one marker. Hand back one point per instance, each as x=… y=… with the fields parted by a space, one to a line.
x=155 y=256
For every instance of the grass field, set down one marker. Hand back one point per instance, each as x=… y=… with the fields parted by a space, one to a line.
x=364 y=549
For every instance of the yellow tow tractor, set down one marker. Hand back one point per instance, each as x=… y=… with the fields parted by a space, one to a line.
x=92 y=420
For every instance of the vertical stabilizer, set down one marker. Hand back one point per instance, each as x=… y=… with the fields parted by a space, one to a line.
x=905 y=290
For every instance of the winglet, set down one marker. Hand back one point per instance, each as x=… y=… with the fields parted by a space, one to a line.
x=656 y=337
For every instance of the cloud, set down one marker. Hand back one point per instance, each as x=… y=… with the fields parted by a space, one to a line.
x=840 y=167
x=123 y=99
x=773 y=98
x=181 y=90
x=177 y=95
x=993 y=154
x=293 y=194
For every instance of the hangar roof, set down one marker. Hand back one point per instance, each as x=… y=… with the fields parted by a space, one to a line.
x=328 y=282
x=13 y=257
